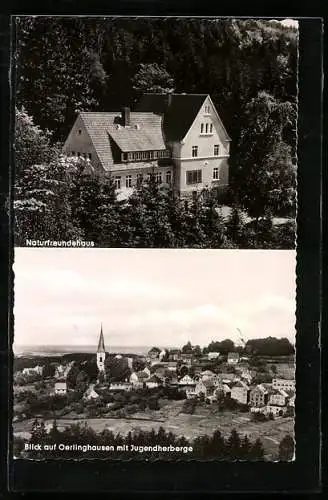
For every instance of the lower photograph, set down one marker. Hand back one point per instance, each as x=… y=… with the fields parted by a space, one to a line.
x=132 y=354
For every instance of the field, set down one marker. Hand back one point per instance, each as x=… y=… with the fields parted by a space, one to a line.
x=205 y=420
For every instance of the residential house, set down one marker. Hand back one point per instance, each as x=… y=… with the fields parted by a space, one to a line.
x=206 y=374
x=281 y=383
x=278 y=397
x=240 y=392
x=90 y=393
x=172 y=366
x=60 y=388
x=259 y=395
x=186 y=382
x=153 y=381
x=36 y=370
x=213 y=355
x=138 y=379
x=233 y=358
x=276 y=410
x=178 y=137
x=120 y=386
x=174 y=354
x=154 y=353
x=227 y=378
x=186 y=358
x=246 y=376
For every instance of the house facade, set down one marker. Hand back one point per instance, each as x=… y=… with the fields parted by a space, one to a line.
x=179 y=138
x=281 y=383
x=233 y=358
x=60 y=388
x=240 y=392
x=259 y=396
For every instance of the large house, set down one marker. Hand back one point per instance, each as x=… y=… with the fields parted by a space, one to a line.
x=179 y=138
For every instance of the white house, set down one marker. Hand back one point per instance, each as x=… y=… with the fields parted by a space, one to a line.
x=153 y=381
x=60 y=388
x=213 y=355
x=281 y=383
x=120 y=386
x=233 y=358
x=186 y=381
x=278 y=398
x=178 y=137
x=240 y=392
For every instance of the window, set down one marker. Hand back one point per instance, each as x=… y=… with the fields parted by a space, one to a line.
x=78 y=154
x=216 y=150
x=128 y=181
x=206 y=128
x=80 y=131
x=202 y=128
x=193 y=176
x=73 y=153
x=211 y=128
x=139 y=179
x=158 y=177
x=216 y=173
x=117 y=181
x=194 y=151
x=168 y=177
x=207 y=109
x=90 y=156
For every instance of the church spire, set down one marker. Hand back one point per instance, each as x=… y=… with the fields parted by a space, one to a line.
x=101 y=343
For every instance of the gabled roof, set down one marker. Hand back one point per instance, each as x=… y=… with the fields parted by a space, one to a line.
x=178 y=116
x=144 y=133
x=103 y=125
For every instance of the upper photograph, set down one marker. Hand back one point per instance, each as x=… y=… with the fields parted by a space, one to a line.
x=155 y=132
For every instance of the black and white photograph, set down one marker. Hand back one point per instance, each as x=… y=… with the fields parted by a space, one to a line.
x=154 y=354
x=155 y=132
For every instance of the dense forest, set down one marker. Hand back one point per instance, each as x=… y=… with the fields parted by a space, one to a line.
x=67 y=65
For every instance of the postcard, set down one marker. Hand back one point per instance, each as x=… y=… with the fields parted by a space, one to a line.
x=155 y=238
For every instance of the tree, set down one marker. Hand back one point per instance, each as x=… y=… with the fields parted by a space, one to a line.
x=72 y=375
x=32 y=145
x=197 y=351
x=48 y=370
x=152 y=78
x=187 y=348
x=117 y=369
x=266 y=176
x=286 y=449
x=233 y=445
x=257 y=450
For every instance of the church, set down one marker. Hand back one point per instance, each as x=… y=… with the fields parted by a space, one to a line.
x=101 y=355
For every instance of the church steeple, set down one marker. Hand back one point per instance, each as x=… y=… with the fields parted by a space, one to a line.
x=101 y=353
x=101 y=343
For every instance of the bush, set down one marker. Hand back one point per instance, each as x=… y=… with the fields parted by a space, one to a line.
x=258 y=417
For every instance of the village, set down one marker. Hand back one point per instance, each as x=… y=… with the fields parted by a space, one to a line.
x=120 y=386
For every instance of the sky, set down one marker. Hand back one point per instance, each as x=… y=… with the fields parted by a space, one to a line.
x=151 y=297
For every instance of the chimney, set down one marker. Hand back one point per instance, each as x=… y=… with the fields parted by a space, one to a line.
x=126 y=117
